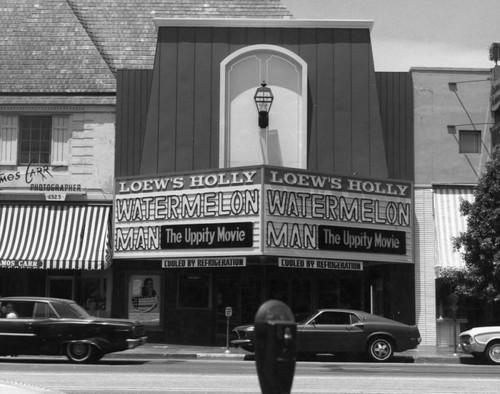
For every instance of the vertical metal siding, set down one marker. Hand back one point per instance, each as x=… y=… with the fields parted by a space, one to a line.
x=344 y=122
x=326 y=141
x=133 y=91
x=396 y=109
x=342 y=101
x=362 y=130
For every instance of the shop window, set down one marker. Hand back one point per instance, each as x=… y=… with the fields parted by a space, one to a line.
x=61 y=287
x=328 y=293
x=301 y=298
x=470 y=141
x=448 y=305
x=250 y=298
x=284 y=141
x=278 y=290
x=35 y=140
x=93 y=295
x=194 y=291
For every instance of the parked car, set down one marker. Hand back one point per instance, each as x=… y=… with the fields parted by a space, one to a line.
x=341 y=331
x=54 y=326
x=482 y=342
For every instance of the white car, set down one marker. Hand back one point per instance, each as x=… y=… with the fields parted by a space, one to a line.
x=482 y=342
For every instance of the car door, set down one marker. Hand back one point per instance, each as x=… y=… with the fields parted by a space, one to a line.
x=16 y=334
x=329 y=332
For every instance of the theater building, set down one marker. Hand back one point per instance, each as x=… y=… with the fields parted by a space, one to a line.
x=221 y=204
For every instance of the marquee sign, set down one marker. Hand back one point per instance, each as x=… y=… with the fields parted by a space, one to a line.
x=264 y=211
x=168 y=216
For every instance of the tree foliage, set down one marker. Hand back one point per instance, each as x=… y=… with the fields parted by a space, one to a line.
x=480 y=243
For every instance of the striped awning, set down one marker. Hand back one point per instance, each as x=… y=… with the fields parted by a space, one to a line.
x=449 y=223
x=54 y=237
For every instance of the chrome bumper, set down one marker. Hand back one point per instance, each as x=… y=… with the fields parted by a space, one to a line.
x=133 y=343
x=238 y=342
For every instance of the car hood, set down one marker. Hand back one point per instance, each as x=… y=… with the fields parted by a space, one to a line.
x=481 y=330
x=116 y=321
x=247 y=327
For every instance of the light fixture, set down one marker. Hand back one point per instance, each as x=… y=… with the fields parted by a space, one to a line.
x=452 y=129
x=263 y=100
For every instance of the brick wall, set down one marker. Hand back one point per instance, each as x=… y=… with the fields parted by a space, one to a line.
x=425 y=290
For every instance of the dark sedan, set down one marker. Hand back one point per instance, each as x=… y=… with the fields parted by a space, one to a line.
x=341 y=331
x=54 y=326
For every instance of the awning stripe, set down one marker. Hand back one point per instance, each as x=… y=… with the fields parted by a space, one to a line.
x=62 y=237
x=449 y=223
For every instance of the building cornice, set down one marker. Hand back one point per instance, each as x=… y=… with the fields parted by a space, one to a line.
x=265 y=23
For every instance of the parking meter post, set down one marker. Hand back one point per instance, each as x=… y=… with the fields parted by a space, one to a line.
x=275 y=347
x=227 y=334
x=453 y=297
x=228 y=312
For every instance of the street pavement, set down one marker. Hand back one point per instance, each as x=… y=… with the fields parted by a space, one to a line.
x=423 y=354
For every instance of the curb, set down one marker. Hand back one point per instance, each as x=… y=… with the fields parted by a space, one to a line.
x=404 y=358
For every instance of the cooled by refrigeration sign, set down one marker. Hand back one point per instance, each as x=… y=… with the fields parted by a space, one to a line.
x=264 y=211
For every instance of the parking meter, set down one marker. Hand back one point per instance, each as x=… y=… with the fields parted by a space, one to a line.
x=275 y=348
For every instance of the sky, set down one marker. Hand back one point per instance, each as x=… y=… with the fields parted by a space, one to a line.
x=417 y=33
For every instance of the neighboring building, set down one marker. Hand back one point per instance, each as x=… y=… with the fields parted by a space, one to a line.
x=57 y=136
x=452 y=143
x=495 y=99
x=222 y=214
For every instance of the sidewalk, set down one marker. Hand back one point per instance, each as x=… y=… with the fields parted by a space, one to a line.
x=423 y=354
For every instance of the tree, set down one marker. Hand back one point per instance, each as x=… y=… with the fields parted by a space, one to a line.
x=481 y=240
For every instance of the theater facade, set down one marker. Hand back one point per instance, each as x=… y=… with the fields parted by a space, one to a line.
x=216 y=211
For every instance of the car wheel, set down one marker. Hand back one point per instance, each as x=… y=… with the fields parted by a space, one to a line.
x=80 y=352
x=380 y=349
x=492 y=353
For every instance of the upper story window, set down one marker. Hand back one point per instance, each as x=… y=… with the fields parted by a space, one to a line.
x=284 y=142
x=34 y=139
x=469 y=141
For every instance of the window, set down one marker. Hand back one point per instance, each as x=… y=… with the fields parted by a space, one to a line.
x=21 y=309
x=284 y=142
x=35 y=138
x=470 y=141
x=194 y=291
x=333 y=318
x=43 y=311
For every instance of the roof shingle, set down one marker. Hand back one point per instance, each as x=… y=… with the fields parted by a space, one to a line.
x=44 y=49
x=75 y=46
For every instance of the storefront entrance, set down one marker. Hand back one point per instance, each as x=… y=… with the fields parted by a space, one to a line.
x=302 y=291
x=192 y=303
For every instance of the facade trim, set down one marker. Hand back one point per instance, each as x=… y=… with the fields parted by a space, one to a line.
x=256 y=23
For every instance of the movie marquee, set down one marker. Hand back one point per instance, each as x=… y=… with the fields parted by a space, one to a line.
x=263 y=211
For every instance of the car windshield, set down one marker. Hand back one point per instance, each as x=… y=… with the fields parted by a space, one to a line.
x=304 y=321
x=70 y=310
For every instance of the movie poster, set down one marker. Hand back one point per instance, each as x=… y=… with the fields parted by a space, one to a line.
x=144 y=299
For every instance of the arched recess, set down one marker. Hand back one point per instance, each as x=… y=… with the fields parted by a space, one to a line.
x=284 y=142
